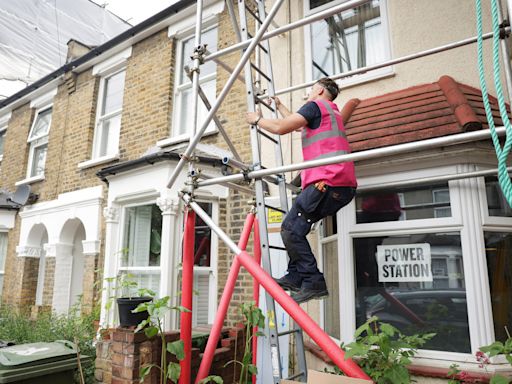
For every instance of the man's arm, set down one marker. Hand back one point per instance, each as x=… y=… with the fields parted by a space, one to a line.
x=283 y=126
x=283 y=110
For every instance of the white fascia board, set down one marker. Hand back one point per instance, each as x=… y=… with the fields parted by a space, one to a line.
x=44 y=99
x=7 y=218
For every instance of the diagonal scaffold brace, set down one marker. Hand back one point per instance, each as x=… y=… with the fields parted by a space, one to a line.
x=242 y=258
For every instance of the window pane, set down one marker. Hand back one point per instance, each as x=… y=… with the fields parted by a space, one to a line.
x=2 y=140
x=496 y=202
x=113 y=93
x=424 y=202
x=498 y=249
x=142 y=236
x=144 y=279
x=38 y=160
x=203 y=237
x=210 y=39
x=416 y=283
x=109 y=136
x=332 y=302
x=186 y=113
x=42 y=124
x=3 y=249
x=348 y=40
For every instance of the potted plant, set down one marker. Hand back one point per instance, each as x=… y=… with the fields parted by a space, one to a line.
x=128 y=296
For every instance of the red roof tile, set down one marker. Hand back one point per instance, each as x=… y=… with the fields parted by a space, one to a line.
x=417 y=113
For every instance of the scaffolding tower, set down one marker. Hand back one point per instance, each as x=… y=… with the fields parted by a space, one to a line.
x=256 y=218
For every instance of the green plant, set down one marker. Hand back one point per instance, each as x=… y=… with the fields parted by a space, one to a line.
x=384 y=351
x=153 y=326
x=16 y=325
x=253 y=319
x=494 y=349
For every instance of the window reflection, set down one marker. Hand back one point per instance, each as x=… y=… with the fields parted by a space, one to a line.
x=431 y=300
x=496 y=202
x=423 y=202
x=498 y=249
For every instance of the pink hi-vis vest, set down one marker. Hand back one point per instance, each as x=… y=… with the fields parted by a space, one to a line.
x=328 y=140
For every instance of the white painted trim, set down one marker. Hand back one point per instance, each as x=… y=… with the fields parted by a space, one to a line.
x=183 y=138
x=30 y=180
x=4 y=119
x=186 y=24
x=134 y=198
x=44 y=100
x=100 y=160
x=7 y=219
x=113 y=63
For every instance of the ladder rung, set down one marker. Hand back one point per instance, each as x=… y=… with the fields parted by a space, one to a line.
x=261 y=72
x=259 y=44
x=259 y=100
x=289 y=332
x=267 y=136
x=277 y=248
x=253 y=14
x=295 y=376
x=275 y=208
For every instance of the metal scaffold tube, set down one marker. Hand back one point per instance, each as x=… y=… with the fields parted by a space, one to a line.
x=289 y=305
x=388 y=63
x=227 y=87
x=363 y=155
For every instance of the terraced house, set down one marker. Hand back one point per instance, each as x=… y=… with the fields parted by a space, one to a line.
x=98 y=139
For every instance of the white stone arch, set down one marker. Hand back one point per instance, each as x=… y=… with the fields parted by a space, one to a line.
x=34 y=246
x=69 y=265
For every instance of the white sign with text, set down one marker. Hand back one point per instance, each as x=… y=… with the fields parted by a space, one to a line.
x=404 y=263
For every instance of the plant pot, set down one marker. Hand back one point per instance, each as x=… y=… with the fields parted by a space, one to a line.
x=126 y=305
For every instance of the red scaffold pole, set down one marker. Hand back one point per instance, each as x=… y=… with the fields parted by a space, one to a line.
x=213 y=339
x=348 y=366
x=187 y=286
x=256 y=292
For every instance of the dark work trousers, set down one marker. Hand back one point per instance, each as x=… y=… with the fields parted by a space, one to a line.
x=310 y=206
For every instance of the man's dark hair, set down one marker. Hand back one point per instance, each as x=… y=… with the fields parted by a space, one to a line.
x=330 y=85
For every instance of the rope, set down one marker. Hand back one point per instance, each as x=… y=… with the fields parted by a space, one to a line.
x=501 y=154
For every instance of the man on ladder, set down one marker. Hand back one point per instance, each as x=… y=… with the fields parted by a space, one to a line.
x=325 y=189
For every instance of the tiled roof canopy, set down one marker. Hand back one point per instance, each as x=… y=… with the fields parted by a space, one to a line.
x=418 y=113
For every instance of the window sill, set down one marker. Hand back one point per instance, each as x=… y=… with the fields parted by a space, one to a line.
x=377 y=74
x=98 y=161
x=182 y=139
x=30 y=180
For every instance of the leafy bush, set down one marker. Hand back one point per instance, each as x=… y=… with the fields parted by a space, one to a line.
x=384 y=351
x=18 y=327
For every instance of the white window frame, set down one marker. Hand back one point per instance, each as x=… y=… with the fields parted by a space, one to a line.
x=212 y=270
x=360 y=78
x=153 y=269
x=36 y=142
x=3 y=131
x=466 y=200
x=180 y=88
x=98 y=132
x=2 y=266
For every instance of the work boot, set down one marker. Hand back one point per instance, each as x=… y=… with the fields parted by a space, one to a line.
x=287 y=285
x=306 y=294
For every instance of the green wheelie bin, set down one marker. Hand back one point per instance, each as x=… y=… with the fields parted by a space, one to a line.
x=39 y=363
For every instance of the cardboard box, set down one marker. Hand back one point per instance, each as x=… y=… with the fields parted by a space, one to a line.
x=327 y=378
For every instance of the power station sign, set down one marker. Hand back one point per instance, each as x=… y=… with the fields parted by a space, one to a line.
x=404 y=263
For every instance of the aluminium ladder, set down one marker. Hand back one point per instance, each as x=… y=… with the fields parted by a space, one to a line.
x=254 y=91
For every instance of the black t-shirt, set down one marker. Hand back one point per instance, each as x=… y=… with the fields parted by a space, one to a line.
x=311 y=112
